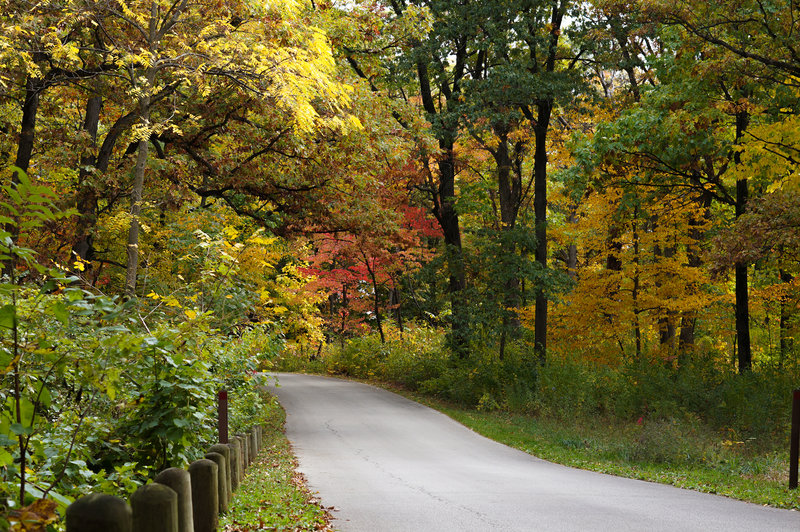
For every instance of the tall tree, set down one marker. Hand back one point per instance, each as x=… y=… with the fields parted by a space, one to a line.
x=162 y=46
x=490 y=70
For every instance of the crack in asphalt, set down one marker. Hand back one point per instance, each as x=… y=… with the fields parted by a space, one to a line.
x=361 y=453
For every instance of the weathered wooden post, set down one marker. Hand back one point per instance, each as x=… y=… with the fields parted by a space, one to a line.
x=223 y=485
x=236 y=463
x=155 y=509
x=794 y=440
x=245 y=453
x=246 y=449
x=205 y=495
x=225 y=451
x=98 y=512
x=253 y=443
x=180 y=482
x=222 y=415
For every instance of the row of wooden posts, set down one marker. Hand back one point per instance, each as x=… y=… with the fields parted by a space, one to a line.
x=178 y=500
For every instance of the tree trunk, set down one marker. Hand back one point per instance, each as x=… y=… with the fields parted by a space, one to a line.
x=394 y=301
x=509 y=184
x=544 y=110
x=135 y=212
x=27 y=134
x=448 y=219
x=572 y=249
x=344 y=312
x=27 y=138
x=444 y=210
x=540 y=215
x=637 y=328
x=375 y=299
x=143 y=148
x=745 y=357
x=785 y=339
x=666 y=322
x=86 y=200
x=137 y=191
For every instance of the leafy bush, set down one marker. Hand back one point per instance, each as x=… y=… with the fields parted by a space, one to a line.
x=409 y=357
x=98 y=394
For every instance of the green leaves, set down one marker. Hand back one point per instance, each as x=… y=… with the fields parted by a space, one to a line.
x=60 y=312
x=8 y=316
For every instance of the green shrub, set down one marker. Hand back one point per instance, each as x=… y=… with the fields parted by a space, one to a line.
x=756 y=404
x=482 y=379
x=567 y=388
x=416 y=357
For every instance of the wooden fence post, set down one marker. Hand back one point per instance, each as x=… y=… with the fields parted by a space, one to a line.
x=222 y=415
x=155 y=509
x=180 y=482
x=222 y=486
x=225 y=451
x=205 y=495
x=236 y=463
x=794 y=441
x=98 y=512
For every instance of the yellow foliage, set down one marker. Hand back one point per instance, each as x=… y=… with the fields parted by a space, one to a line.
x=655 y=285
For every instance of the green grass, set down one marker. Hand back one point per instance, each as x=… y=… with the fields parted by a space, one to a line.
x=272 y=495
x=669 y=452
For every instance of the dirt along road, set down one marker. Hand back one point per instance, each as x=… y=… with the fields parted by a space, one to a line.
x=388 y=464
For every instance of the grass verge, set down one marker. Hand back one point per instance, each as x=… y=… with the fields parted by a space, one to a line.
x=657 y=451
x=273 y=495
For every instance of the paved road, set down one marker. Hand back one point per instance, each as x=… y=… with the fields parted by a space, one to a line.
x=388 y=464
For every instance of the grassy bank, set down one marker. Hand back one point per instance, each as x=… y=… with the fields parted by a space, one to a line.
x=273 y=495
x=669 y=452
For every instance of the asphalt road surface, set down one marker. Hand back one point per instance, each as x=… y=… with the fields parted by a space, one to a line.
x=387 y=464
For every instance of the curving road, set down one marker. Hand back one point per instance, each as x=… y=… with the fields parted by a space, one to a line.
x=388 y=464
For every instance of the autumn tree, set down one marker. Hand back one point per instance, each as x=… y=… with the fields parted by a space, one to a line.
x=491 y=72
x=180 y=49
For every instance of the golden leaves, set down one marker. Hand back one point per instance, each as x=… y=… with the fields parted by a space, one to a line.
x=35 y=517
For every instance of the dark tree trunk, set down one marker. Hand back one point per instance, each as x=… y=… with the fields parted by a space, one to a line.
x=572 y=249
x=743 y=320
x=86 y=201
x=544 y=108
x=394 y=301
x=509 y=184
x=785 y=337
x=444 y=208
x=745 y=357
x=27 y=134
x=637 y=328
x=540 y=215
x=666 y=322
x=447 y=216
x=613 y=261
x=343 y=322
x=27 y=138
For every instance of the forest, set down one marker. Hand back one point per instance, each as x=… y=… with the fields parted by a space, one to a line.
x=553 y=208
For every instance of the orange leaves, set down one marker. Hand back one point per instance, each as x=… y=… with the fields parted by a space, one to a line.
x=35 y=517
